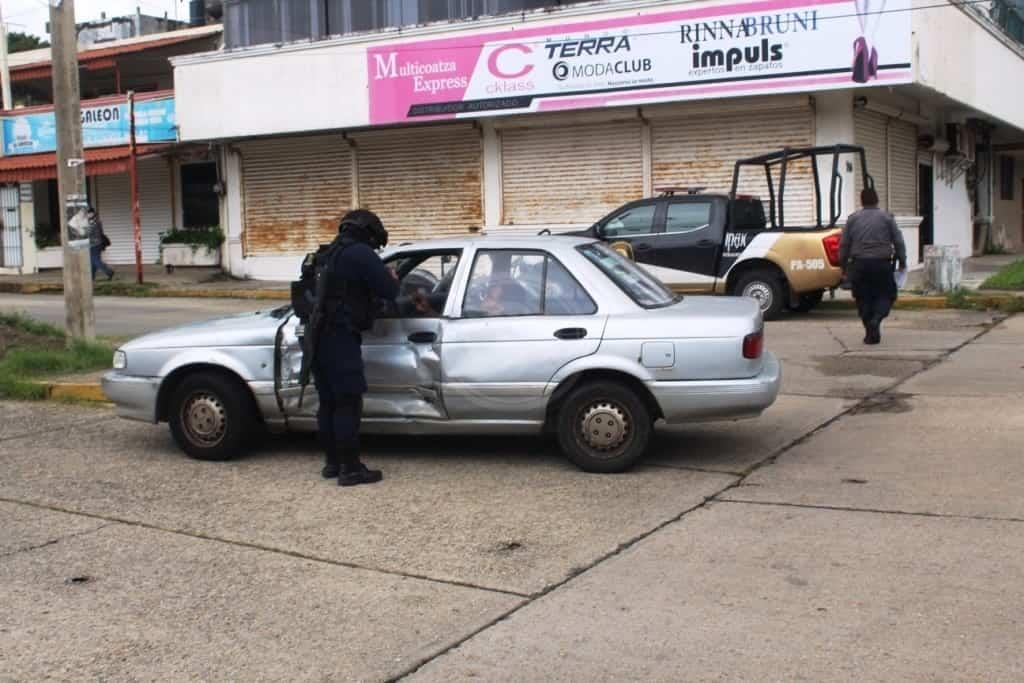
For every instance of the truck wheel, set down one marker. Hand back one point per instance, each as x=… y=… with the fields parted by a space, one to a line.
x=604 y=427
x=807 y=301
x=765 y=287
x=211 y=416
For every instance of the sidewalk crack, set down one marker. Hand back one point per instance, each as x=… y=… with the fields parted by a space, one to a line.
x=877 y=511
x=54 y=541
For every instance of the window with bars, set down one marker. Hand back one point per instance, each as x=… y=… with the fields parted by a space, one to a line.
x=260 y=22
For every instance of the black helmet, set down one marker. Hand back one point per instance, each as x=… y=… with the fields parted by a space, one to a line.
x=364 y=226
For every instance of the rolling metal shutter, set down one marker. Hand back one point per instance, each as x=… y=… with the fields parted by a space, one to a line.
x=869 y=133
x=422 y=182
x=701 y=149
x=570 y=174
x=296 y=190
x=903 y=168
x=113 y=201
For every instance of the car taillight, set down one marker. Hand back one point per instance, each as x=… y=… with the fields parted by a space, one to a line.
x=831 y=244
x=753 y=345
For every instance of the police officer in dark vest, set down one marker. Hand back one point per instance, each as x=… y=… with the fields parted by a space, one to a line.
x=870 y=244
x=357 y=280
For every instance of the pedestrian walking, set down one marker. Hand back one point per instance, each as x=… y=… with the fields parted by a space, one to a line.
x=870 y=245
x=356 y=279
x=98 y=242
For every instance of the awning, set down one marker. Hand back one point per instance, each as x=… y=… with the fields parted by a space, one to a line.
x=101 y=161
x=104 y=57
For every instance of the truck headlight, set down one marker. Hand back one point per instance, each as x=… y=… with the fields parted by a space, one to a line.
x=120 y=360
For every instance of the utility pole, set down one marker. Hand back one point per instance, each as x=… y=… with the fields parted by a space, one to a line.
x=5 y=72
x=79 y=315
x=133 y=180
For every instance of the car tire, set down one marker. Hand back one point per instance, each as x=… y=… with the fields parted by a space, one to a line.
x=807 y=301
x=211 y=416
x=596 y=406
x=764 y=286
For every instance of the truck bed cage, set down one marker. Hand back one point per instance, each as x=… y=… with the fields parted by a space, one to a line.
x=788 y=155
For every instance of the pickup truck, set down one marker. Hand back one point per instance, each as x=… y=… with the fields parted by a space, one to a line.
x=729 y=243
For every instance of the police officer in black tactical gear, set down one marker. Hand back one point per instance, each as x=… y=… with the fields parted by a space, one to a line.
x=357 y=279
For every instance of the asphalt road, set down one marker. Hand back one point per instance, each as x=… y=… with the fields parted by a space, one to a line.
x=867 y=527
x=118 y=316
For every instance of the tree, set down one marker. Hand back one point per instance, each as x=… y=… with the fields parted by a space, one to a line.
x=19 y=42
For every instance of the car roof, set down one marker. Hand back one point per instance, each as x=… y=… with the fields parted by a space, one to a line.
x=493 y=242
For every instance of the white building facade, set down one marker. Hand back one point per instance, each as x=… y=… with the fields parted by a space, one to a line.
x=551 y=118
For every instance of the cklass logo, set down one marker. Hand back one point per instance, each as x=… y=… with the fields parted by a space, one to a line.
x=506 y=67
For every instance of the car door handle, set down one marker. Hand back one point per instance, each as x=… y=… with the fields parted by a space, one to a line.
x=642 y=246
x=707 y=243
x=571 y=333
x=422 y=337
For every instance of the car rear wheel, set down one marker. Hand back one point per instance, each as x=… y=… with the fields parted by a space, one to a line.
x=807 y=301
x=211 y=416
x=765 y=287
x=604 y=427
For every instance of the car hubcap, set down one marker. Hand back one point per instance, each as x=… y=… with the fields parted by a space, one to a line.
x=760 y=292
x=204 y=419
x=604 y=426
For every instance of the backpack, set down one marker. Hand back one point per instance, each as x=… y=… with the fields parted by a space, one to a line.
x=315 y=274
x=303 y=290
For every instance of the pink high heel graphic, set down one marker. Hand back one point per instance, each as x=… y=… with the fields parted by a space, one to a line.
x=860 y=60
x=865 y=60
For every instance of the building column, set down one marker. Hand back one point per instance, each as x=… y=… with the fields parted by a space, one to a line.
x=833 y=125
x=232 y=213
x=492 y=190
x=27 y=217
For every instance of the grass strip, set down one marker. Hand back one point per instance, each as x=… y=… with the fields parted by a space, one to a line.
x=1011 y=278
x=39 y=350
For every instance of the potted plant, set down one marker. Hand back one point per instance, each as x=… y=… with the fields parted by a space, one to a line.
x=191 y=247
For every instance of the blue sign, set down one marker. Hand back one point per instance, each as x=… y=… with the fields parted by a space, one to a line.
x=102 y=126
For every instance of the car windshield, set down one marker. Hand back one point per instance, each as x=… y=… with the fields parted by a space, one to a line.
x=640 y=285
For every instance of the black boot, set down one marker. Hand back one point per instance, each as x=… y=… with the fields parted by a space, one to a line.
x=874 y=332
x=354 y=472
x=332 y=468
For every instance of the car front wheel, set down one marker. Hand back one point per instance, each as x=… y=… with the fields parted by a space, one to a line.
x=211 y=416
x=604 y=427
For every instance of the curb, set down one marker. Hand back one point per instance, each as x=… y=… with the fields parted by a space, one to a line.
x=74 y=391
x=179 y=293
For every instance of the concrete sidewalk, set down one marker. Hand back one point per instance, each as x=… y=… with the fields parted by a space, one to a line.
x=181 y=282
x=887 y=545
x=214 y=283
x=867 y=527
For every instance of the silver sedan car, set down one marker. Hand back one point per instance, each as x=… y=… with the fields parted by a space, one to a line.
x=490 y=335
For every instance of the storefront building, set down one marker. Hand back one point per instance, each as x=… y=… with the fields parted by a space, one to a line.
x=552 y=117
x=175 y=182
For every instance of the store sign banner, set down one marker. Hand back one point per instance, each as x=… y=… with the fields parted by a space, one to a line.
x=102 y=126
x=701 y=52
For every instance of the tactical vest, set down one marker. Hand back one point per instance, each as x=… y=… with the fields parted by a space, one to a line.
x=348 y=302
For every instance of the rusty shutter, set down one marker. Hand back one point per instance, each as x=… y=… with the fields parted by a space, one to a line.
x=701 y=149
x=569 y=174
x=113 y=201
x=902 y=168
x=296 y=189
x=422 y=182
x=869 y=132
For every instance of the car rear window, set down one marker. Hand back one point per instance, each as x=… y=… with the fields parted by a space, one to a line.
x=636 y=282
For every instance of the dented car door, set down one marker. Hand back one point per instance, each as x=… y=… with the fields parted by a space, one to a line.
x=401 y=354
